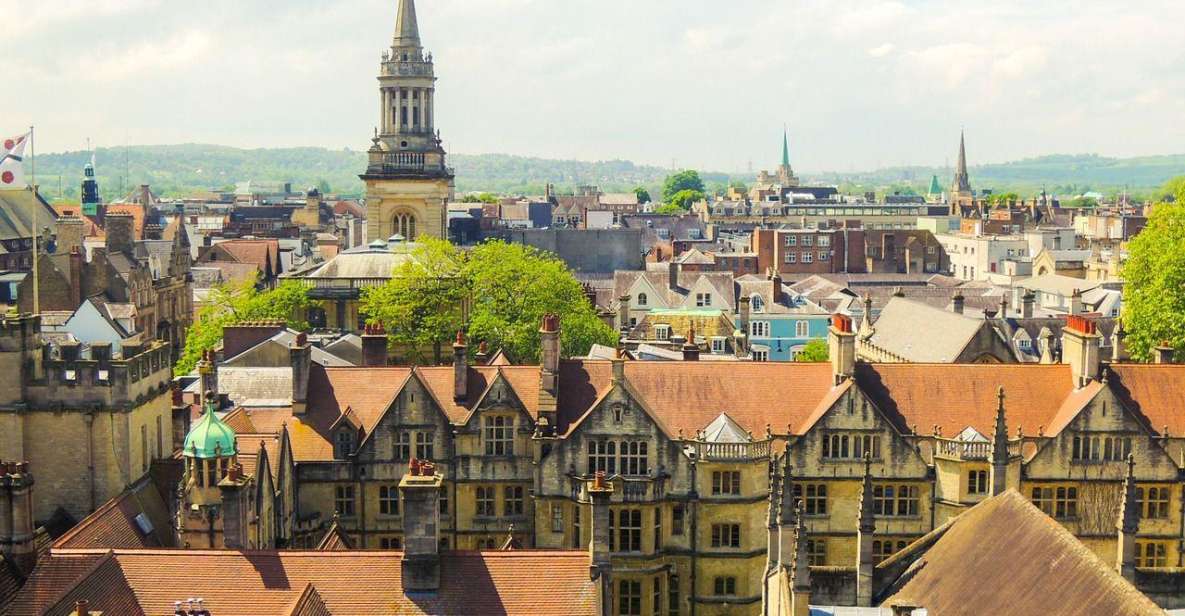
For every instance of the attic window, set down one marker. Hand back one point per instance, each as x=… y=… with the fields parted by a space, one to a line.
x=343 y=445
x=757 y=303
x=662 y=332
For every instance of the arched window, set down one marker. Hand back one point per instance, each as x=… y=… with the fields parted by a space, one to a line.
x=405 y=225
x=642 y=299
x=757 y=304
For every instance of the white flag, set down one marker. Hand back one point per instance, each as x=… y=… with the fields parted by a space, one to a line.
x=12 y=162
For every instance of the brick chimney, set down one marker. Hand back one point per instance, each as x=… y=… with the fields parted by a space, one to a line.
x=16 y=515
x=120 y=232
x=600 y=565
x=959 y=302
x=1081 y=344
x=82 y=608
x=690 y=348
x=623 y=313
x=1164 y=353
x=775 y=279
x=374 y=346
x=673 y=275
x=745 y=311
x=236 y=509
x=482 y=357
x=841 y=342
x=301 y=356
x=460 y=368
x=420 y=492
x=243 y=336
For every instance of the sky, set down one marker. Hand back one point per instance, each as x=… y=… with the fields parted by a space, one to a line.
x=709 y=84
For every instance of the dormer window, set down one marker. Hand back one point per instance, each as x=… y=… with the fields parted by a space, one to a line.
x=343 y=445
x=662 y=332
x=643 y=300
x=757 y=303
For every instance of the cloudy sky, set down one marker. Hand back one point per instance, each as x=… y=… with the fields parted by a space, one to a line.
x=704 y=83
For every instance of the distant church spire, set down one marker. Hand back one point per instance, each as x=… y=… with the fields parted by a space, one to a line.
x=962 y=180
x=407 y=31
x=785 y=148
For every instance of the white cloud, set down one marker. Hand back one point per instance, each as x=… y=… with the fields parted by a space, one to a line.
x=597 y=79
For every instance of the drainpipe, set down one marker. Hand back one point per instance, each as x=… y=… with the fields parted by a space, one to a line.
x=360 y=474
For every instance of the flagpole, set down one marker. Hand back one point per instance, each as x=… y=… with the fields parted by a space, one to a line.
x=36 y=231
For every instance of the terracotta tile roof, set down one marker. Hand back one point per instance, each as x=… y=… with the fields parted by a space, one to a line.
x=1005 y=543
x=687 y=396
x=335 y=540
x=439 y=381
x=955 y=396
x=52 y=578
x=310 y=603
x=113 y=525
x=275 y=583
x=256 y=252
x=1155 y=391
x=10 y=581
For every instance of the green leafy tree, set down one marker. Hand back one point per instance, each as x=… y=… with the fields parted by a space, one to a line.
x=1154 y=298
x=1086 y=202
x=688 y=180
x=1175 y=188
x=323 y=187
x=643 y=194
x=670 y=209
x=422 y=306
x=684 y=198
x=232 y=304
x=814 y=351
x=496 y=292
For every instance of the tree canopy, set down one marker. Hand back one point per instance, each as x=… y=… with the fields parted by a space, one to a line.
x=1175 y=188
x=484 y=197
x=814 y=351
x=688 y=180
x=684 y=198
x=232 y=304
x=1154 y=297
x=643 y=194
x=496 y=293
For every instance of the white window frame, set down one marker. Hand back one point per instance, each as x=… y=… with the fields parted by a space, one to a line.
x=791 y=258
x=807 y=258
x=802 y=328
x=703 y=300
x=759 y=329
x=662 y=332
x=718 y=345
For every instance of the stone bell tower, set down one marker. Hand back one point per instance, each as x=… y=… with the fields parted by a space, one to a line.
x=408 y=183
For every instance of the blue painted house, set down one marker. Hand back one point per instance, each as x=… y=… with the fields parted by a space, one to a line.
x=779 y=322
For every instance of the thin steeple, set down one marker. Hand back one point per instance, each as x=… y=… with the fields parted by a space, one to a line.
x=962 y=180
x=407 y=30
x=785 y=148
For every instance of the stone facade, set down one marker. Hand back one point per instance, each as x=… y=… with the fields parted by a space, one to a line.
x=408 y=183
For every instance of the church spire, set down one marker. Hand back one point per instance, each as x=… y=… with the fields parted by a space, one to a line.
x=407 y=31
x=785 y=148
x=962 y=180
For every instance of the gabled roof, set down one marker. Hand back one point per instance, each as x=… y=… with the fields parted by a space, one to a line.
x=310 y=603
x=917 y=332
x=1004 y=556
x=1154 y=391
x=724 y=430
x=335 y=539
x=274 y=583
x=114 y=524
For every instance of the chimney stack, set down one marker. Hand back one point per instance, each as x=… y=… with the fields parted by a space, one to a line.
x=374 y=346
x=70 y=231
x=16 y=515
x=483 y=354
x=1164 y=353
x=301 y=356
x=1081 y=344
x=959 y=302
x=673 y=274
x=1027 y=301
x=236 y=509
x=745 y=313
x=623 y=314
x=600 y=566
x=420 y=492
x=776 y=286
x=549 y=371
x=1076 y=306
x=120 y=230
x=460 y=368
x=690 y=348
x=842 y=347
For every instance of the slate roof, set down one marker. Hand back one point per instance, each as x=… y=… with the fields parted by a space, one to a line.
x=1004 y=556
x=16 y=214
x=917 y=332
x=271 y=583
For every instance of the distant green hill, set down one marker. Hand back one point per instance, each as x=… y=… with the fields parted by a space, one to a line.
x=180 y=170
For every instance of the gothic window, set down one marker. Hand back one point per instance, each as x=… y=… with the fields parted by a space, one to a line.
x=642 y=299
x=402 y=449
x=724 y=586
x=405 y=225
x=485 y=501
x=1153 y=502
x=602 y=457
x=629 y=598
x=813 y=497
x=424 y=445
x=512 y=500
x=629 y=530
x=726 y=535
x=1151 y=554
x=726 y=482
x=343 y=501
x=634 y=458
x=343 y=444
x=895 y=501
x=557 y=517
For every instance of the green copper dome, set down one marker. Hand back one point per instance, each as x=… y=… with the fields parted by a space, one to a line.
x=210 y=437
